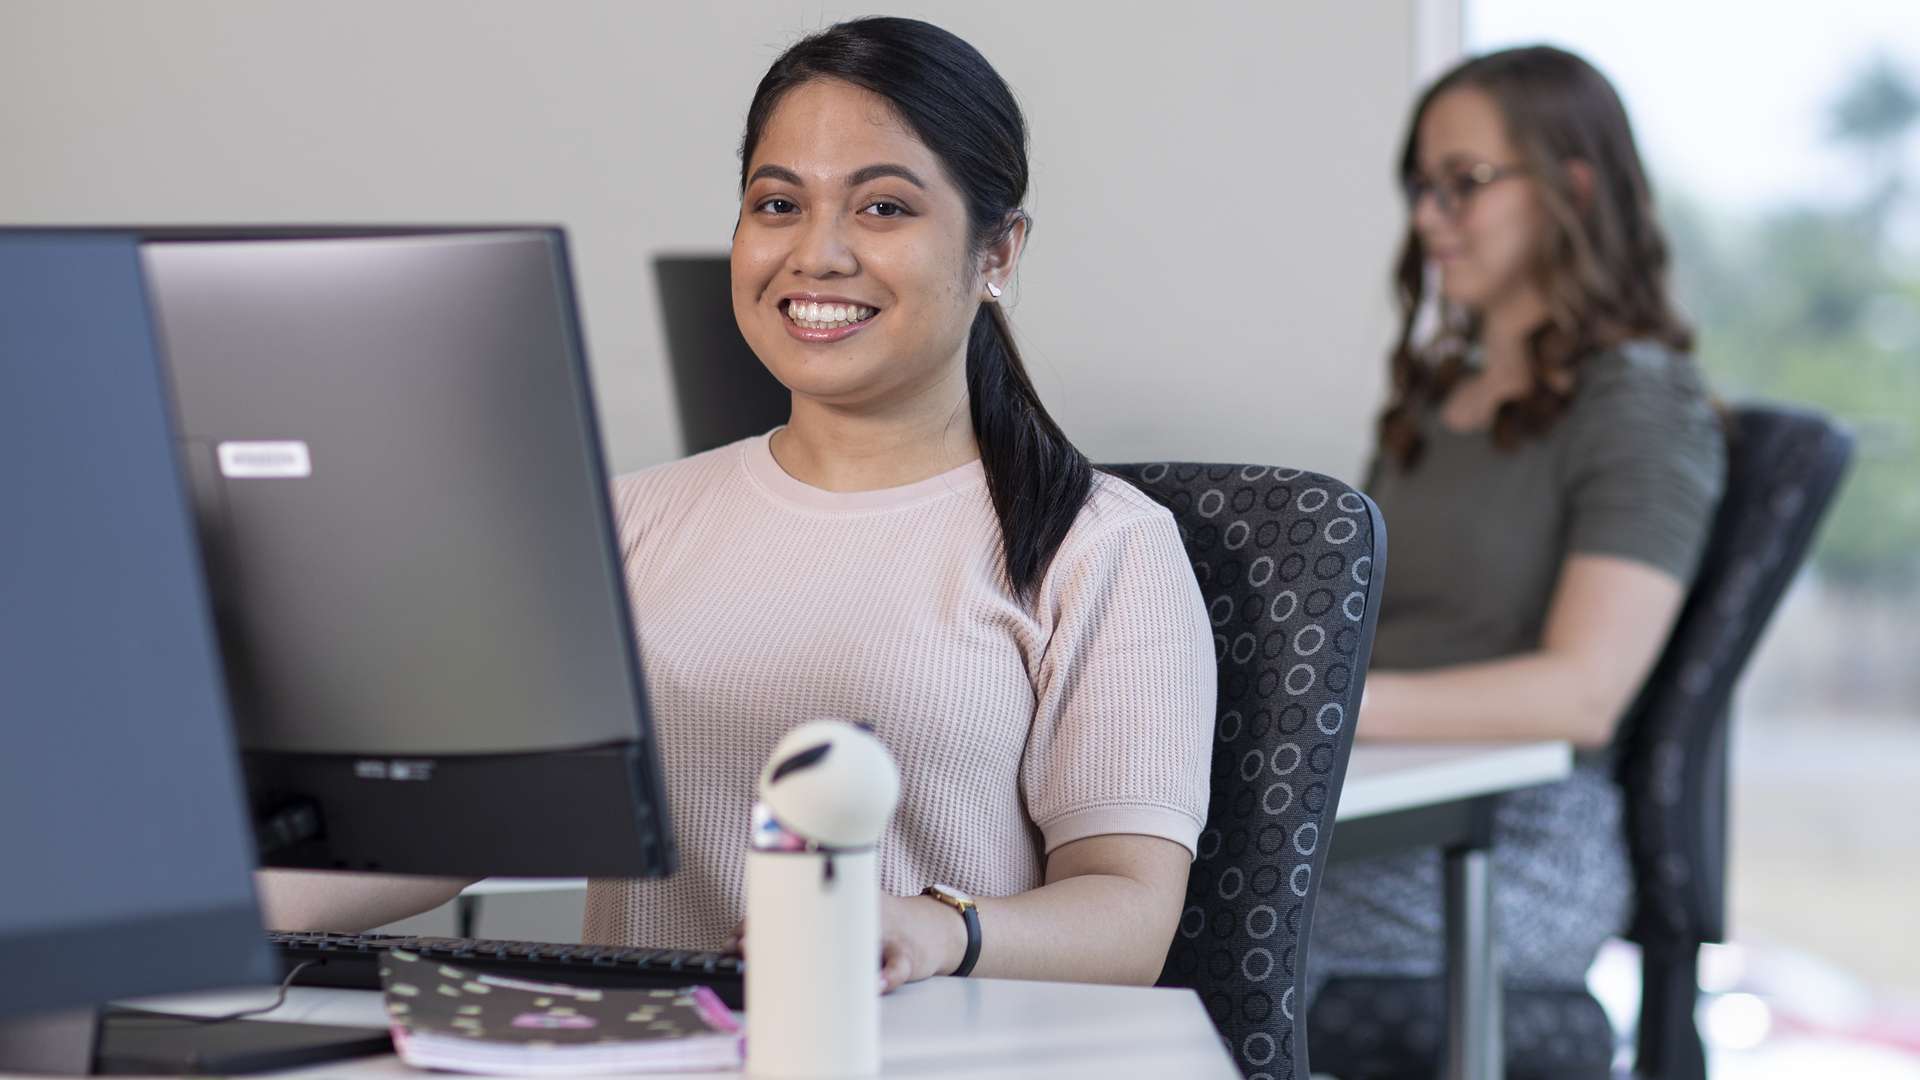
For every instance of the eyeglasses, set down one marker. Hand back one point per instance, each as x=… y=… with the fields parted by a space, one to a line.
x=1453 y=193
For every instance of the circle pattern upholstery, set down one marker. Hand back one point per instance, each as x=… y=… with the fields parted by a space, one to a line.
x=1289 y=565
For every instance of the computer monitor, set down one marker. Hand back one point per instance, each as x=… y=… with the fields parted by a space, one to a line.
x=393 y=454
x=722 y=391
x=123 y=834
x=383 y=441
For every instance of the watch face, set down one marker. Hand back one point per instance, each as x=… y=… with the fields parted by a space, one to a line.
x=951 y=894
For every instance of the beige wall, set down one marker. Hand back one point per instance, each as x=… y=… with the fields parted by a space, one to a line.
x=1207 y=276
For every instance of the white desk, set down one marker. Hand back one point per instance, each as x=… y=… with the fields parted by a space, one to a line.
x=1395 y=796
x=502 y=886
x=951 y=1029
x=1404 y=795
x=1386 y=777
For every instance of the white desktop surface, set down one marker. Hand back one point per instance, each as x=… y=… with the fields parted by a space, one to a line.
x=993 y=1028
x=1384 y=777
x=501 y=886
x=942 y=1028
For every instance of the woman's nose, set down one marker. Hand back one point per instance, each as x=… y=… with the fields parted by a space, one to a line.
x=1426 y=215
x=823 y=248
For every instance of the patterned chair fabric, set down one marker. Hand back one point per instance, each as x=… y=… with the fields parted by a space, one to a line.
x=1783 y=468
x=1290 y=565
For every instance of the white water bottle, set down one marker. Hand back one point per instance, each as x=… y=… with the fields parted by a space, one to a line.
x=813 y=904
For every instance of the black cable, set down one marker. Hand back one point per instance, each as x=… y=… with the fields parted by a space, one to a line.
x=221 y=1018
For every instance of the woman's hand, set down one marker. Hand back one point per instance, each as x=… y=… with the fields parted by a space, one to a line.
x=919 y=937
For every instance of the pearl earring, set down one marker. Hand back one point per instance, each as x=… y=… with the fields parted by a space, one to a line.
x=993 y=290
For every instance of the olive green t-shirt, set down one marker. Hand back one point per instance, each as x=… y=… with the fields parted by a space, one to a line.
x=1634 y=468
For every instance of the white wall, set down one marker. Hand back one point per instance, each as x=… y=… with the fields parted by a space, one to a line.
x=1207 y=279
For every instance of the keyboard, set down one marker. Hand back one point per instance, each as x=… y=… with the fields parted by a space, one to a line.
x=352 y=961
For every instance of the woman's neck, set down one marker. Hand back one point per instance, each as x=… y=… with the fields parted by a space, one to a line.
x=839 y=450
x=1504 y=331
x=1505 y=371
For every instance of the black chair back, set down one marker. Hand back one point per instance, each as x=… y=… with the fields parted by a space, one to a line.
x=1784 y=467
x=1290 y=565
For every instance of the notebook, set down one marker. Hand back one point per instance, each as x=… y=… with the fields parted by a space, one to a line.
x=445 y=1017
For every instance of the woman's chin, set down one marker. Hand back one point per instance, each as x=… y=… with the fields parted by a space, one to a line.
x=818 y=378
x=1467 y=295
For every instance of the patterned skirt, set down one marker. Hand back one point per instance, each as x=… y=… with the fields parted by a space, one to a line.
x=1561 y=887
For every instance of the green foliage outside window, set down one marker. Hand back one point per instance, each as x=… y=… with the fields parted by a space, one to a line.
x=1818 y=304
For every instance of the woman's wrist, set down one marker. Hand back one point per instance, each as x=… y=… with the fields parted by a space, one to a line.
x=947 y=930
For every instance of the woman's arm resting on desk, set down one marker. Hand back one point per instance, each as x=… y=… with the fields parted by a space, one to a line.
x=1607 y=623
x=345 y=902
x=1106 y=915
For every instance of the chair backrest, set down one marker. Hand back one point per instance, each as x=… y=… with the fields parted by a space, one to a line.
x=1290 y=565
x=1783 y=468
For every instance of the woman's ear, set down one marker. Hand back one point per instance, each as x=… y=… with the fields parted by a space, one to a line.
x=1580 y=173
x=1002 y=257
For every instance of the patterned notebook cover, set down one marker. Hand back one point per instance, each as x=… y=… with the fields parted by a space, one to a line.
x=445 y=1017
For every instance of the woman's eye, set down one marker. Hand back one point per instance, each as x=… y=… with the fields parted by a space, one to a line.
x=886 y=209
x=777 y=205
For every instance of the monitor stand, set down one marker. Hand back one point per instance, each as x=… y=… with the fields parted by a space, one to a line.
x=121 y=1042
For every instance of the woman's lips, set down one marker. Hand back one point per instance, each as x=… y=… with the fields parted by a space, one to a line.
x=824 y=335
x=838 y=333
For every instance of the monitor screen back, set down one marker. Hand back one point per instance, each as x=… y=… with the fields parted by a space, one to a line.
x=125 y=857
x=394 y=455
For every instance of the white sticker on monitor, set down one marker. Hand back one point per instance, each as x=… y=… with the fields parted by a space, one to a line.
x=249 y=460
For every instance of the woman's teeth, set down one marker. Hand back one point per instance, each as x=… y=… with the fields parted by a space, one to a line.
x=815 y=316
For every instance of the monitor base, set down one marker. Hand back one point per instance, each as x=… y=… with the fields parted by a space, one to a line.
x=117 y=1042
x=146 y=1044
x=50 y=1043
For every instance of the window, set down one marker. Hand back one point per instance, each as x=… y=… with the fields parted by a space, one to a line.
x=1784 y=142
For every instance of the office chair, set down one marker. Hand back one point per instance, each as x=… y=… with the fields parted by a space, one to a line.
x=1670 y=752
x=1290 y=566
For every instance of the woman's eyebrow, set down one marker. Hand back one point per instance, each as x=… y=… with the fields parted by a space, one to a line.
x=776 y=172
x=860 y=176
x=875 y=172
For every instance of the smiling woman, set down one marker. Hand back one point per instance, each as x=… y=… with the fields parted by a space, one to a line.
x=1023 y=634
x=897 y=155
x=845 y=208
x=920 y=547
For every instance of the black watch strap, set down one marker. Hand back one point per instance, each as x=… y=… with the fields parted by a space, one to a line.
x=972 y=916
x=969 y=915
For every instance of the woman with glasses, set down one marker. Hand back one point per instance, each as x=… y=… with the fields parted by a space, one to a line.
x=1549 y=463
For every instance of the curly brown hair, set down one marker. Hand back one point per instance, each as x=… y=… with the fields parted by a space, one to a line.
x=1601 y=264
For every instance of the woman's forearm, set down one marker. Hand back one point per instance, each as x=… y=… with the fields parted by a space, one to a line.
x=1538 y=695
x=1605 y=627
x=344 y=902
x=1100 y=928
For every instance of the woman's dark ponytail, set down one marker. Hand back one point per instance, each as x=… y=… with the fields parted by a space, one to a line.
x=954 y=101
x=1036 y=478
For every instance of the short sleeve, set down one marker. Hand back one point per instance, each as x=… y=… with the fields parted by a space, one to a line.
x=1124 y=694
x=1646 y=461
